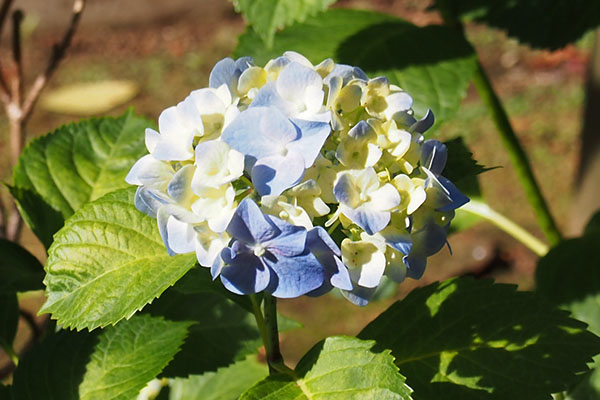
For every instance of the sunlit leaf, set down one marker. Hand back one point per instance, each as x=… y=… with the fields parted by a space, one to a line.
x=473 y=339
x=129 y=355
x=107 y=262
x=336 y=368
x=224 y=384
x=73 y=165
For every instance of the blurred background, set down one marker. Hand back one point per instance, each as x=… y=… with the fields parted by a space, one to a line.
x=149 y=54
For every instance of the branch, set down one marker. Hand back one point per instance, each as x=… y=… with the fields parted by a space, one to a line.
x=58 y=53
x=4 y=96
x=17 y=81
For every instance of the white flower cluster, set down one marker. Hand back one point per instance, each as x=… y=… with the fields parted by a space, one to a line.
x=313 y=146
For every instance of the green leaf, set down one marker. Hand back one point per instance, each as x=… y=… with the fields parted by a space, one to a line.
x=226 y=383
x=593 y=225
x=225 y=332
x=433 y=64
x=462 y=169
x=20 y=271
x=467 y=339
x=54 y=368
x=89 y=98
x=576 y=288
x=107 y=262
x=267 y=16
x=534 y=22
x=129 y=355
x=337 y=368
x=9 y=318
x=76 y=164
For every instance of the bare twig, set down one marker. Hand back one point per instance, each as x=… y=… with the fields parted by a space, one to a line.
x=58 y=53
x=19 y=106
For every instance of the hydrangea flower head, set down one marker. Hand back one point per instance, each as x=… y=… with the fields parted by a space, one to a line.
x=259 y=172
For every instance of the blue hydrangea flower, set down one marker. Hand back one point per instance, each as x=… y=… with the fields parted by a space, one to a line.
x=270 y=254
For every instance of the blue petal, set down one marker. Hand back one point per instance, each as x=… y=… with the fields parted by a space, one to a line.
x=346 y=72
x=259 y=132
x=245 y=274
x=227 y=72
x=290 y=242
x=296 y=276
x=313 y=135
x=371 y=221
x=434 y=155
x=424 y=123
x=458 y=199
x=272 y=175
x=250 y=225
x=401 y=242
x=268 y=96
x=149 y=200
x=415 y=264
x=359 y=295
x=429 y=240
x=327 y=252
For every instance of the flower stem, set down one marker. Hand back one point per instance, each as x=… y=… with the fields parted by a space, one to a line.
x=517 y=156
x=267 y=325
x=481 y=209
x=509 y=139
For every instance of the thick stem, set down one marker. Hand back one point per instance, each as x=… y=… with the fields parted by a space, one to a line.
x=481 y=209
x=517 y=156
x=269 y=332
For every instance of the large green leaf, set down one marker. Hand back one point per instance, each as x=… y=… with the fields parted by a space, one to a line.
x=467 y=339
x=433 y=64
x=225 y=384
x=224 y=332
x=129 y=355
x=569 y=276
x=9 y=318
x=539 y=23
x=336 y=368
x=75 y=164
x=266 y=16
x=54 y=368
x=20 y=271
x=107 y=262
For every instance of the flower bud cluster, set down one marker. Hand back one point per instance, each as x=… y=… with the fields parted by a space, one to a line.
x=294 y=179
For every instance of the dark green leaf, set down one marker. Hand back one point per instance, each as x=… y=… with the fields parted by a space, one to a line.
x=129 y=355
x=462 y=169
x=75 y=164
x=107 y=262
x=225 y=332
x=467 y=339
x=225 y=384
x=593 y=225
x=538 y=23
x=433 y=64
x=569 y=276
x=9 y=318
x=266 y=16
x=54 y=368
x=20 y=271
x=336 y=368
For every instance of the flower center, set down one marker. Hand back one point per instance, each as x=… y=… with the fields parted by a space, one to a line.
x=259 y=250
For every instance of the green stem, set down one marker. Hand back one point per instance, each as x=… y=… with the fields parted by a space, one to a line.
x=481 y=209
x=269 y=332
x=509 y=139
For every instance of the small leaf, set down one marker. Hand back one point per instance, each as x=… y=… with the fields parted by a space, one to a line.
x=54 y=368
x=336 y=368
x=267 y=16
x=20 y=271
x=225 y=332
x=226 y=383
x=467 y=339
x=433 y=64
x=89 y=98
x=533 y=21
x=9 y=318
x=107 y=262
x=129 y=355
x=76 y=164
